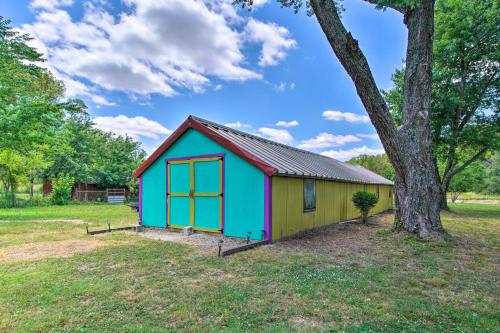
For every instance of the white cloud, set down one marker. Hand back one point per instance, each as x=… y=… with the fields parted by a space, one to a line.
x=346 y=116
x=257 y=3
x=77 y=88
x=291 y=123
x=347 y=154
x=275 y=41
x=50 y=4
x=152 y=47
x=218 y=87
x=282 y=86
x=324 y=140
x=278 y=135
x=238 y=125
x=373 y=136
x=134 y=127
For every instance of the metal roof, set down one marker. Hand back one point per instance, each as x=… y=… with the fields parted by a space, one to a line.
x=290 y=161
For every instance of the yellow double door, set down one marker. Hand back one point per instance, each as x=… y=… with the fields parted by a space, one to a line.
x=195 y=193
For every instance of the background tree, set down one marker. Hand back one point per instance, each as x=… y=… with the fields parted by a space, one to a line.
x=118 y=158
x=409 y=146
x=379 y=164
x=466 y=81
x=491 y=179
x=45 y=136
x=469 y=180
x=90 y=155
x=29 y=109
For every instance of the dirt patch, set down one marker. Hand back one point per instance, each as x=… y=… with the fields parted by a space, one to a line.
x=346 y=238
x=304 y=323
x=205 y=242
x=47 y=221
x=65 y=248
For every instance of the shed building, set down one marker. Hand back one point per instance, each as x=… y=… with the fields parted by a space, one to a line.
x=218 y=179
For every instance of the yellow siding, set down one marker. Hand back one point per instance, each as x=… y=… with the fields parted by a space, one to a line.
x=333 y=204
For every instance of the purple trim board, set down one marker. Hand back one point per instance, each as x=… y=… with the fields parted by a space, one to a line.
x=140 y=200
x=221 y=155
x=268 y=198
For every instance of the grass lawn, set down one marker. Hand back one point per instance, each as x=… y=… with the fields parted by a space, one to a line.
x=477 y=196
x=95 y=214
x=54 y=278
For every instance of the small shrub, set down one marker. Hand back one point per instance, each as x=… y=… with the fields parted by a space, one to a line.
x=61 y=190
x=39 y=200
x=364 y=201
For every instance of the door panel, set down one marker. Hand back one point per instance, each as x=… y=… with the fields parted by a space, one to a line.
x=179 y=177
x=207 y=212
x=207 y=176
x=179 y=211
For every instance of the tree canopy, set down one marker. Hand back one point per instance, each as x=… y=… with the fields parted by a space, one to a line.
x=46 y=135
x=465 y=88
x=379 y=164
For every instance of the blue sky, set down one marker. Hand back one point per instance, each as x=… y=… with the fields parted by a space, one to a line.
x=143 y=66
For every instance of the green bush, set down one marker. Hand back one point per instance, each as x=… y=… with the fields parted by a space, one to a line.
x=61 y=190
x=39 y=200
x=364 y=201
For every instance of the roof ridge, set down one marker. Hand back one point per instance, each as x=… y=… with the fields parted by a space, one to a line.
x=256 y=137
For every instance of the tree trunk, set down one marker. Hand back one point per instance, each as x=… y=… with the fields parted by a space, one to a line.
x=443 y=203
x=31 y=189
x=408 y=147
x=13 y=195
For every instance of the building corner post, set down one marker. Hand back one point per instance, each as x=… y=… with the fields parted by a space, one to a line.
x=268 y=200
x=140 y=200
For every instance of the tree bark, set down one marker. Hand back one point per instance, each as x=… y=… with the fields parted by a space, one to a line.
x=13 y=195
x=408 y=147
x=443 y=203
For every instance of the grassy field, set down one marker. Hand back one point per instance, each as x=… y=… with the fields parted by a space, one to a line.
x=476 y=196
x=55 y=278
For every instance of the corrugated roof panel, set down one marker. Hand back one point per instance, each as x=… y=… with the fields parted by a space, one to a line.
x=293 y=161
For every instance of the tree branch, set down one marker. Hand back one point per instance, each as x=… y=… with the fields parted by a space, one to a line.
x=468 y=115
x=469 y=162
x=400 y=9
x=351 y=57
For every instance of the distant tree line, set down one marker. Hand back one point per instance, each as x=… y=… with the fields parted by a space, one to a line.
x=480 y=176
x=44 y=135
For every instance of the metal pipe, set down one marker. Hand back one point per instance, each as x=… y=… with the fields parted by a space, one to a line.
x=220 y=246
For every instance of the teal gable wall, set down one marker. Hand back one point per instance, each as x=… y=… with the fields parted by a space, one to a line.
x=243 y=189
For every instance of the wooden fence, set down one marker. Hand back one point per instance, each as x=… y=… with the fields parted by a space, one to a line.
x=111 y=195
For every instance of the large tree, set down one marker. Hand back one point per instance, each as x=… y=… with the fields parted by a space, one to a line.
x=466 y=81
x=409 y=146
x=29 y=109
x=90 y=155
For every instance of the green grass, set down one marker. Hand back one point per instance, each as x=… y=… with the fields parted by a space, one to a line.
x=477 y=196
x=133 y=284
x=95 y=214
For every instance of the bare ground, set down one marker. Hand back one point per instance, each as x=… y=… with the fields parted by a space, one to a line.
x=49 y=249
x=350 y=237
x=205 y=242
x=47 y=221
